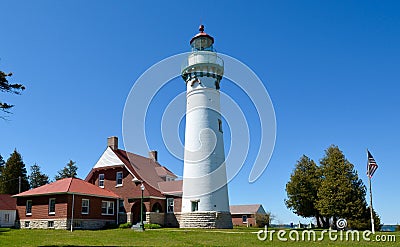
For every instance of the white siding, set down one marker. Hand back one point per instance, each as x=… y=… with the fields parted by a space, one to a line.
x=109 y=158
x=204 y=174
x=11 y=218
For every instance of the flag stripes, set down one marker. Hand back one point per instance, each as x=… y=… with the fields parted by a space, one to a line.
x=371 y=165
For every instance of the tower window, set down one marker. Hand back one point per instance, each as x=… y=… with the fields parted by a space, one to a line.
x=195 y=206
x=220 y=125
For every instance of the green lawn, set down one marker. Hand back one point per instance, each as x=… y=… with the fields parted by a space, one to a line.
x=160 y=237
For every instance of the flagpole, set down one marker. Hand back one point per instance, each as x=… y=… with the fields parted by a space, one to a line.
x=370 y=205
x=370 y=196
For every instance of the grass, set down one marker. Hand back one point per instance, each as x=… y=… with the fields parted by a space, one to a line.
x=160 y=237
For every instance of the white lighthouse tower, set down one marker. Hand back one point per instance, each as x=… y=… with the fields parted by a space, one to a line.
x=205 y=202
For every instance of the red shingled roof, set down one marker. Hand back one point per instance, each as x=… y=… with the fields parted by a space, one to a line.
x=144 y=167
x=7 y=202
x=69 y=186
x=162 y=171
x=246 y=209
x=171 y=187
x=148 y=170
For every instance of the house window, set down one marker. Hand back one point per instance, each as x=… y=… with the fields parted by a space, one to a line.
x=119 y=179
x=107 y=208
x=52 y=205
x=219 y=125
x=85 y=206
x=77 y=224
x=121 y=208
x=6 y=217
x=50 y=224
x=27 y=224
x=170 y=205
x=195 y=206
x=29 y=207
x=244 y=218
x=101 y=180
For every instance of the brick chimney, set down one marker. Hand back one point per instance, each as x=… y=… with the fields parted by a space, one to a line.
x=112 y=142
x=153 y=155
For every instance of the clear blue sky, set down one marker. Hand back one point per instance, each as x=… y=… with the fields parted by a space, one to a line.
x=330 y=67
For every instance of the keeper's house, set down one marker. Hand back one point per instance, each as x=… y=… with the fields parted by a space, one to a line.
x=66 y=201
x=123 y=173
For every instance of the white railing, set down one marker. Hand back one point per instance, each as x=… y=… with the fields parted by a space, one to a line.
x=202 y=57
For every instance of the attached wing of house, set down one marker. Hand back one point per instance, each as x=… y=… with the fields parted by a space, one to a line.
x=123 y=172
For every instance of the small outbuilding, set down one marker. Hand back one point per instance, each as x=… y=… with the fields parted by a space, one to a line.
x=8 y=210
x=248 y=215
x=69 y=203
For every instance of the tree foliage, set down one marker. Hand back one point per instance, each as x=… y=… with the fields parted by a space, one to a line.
x=263 y=219
x=37 y=178
x=69 y=171
x=364 y=222
x=302 y=188
x=13 y=169
x=7 y=87
x=330 y=191
x=2 y=163
x=342 y=193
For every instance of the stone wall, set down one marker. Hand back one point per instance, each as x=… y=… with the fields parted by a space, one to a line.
x=206 y=220
x=89 y=224
x=65 y=224
x=155 y=218
x=43 y=224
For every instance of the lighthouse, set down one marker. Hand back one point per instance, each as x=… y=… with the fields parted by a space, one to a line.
x=205 y=202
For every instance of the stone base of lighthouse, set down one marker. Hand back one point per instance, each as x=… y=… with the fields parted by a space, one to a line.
x=208 y=219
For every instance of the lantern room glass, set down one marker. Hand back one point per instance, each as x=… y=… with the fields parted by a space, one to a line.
x=202 y=44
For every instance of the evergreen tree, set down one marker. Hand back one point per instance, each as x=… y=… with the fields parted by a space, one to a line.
x=2 y=163
x=37 y=178
x=342 y=193
x=69 y=171
x=302 y=189
x=7 y=87
x=13 y=169
x=364 y=222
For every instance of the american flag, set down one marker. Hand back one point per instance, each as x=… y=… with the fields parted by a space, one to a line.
x=371 y=165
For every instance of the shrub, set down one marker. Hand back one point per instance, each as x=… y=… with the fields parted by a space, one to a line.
x=263 y=219
x=125 y=225
x=152 y=226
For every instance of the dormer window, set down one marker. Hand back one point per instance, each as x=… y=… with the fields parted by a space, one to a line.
x=101 y=180
x=119 y=178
